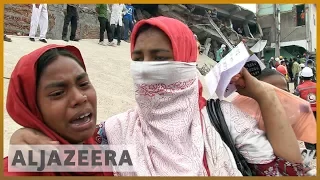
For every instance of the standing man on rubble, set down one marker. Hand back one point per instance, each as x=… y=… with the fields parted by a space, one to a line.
x=104 y=13
x=71 y=15
x=128 y=21
x=220 y=53
x=39 y=17
x=117 y=12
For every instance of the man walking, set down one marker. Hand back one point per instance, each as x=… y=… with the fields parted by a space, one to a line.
x=128 y=21
x=295 y=71
x=220 y=53
x=104 y=17
x=39 y=17
x=71 y=15
x=117 y=12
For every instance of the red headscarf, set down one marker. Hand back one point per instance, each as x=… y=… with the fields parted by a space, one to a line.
x=22 y=104
x=182 y=41
x=282 y=69
x=183 y=44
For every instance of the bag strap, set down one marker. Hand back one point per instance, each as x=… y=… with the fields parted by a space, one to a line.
x=217 y=120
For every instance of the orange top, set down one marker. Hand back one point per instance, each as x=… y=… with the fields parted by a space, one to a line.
x=299 y=113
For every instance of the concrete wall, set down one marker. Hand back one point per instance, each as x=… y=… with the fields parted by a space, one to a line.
x=267 y=9
x=17 y=19
x=289 y=31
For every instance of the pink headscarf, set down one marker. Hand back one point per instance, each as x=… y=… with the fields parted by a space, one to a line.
x=182 y=41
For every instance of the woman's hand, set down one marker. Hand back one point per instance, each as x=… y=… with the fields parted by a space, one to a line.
x=278 y=130
x=30 y=137
x=249 y=86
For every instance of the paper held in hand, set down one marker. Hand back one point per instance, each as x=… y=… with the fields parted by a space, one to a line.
x=218 y=79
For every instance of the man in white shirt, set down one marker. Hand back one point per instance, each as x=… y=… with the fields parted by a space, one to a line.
x=39 y=17
x=117 y=12
x=71 y=15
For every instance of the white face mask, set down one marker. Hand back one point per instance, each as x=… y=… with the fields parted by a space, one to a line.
x=167 y=95
x=163 y=82
x=167 y=72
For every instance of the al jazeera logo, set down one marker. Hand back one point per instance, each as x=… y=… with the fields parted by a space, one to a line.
x=311 y=98
x=71 y=158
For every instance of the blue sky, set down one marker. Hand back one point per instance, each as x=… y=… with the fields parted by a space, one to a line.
x=251 y=7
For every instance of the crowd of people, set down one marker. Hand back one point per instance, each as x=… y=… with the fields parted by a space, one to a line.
x=115 y=19
x=301 y=72
x=170 y=126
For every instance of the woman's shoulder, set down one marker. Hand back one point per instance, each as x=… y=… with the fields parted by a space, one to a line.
x=116 y=125
x=122 y=118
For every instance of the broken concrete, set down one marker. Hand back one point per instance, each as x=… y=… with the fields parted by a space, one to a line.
x=195 y=17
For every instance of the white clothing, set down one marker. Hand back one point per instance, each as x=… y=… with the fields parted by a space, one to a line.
x=117 y=11
x=39 y=17
x=171 y=135
x=166 y=127
x=248 y=138
x=299 y=78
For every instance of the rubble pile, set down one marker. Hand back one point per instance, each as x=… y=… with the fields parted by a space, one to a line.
x=195 y=17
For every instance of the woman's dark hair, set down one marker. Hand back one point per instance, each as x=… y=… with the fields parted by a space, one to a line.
x=48 y=57
x=269 y=72
x=310 y=62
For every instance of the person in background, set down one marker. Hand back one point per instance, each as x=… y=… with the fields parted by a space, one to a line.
x=302 y=18
x=220 y=52
x=60 y=101
x=128 y=21
x=310 y=65
x=290 y=69
x=6 y=38
x=70 y=15
x=104 y=13
x=39 y=17
x=307 y=90
x=117 y=11
x=303 y=59
x=299 y=76
x=295 y=72
x=281 y=58
x=283 y=70
x=270 y=63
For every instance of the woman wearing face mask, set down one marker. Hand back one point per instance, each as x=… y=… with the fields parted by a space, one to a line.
x=170 y=126
x=50 y=91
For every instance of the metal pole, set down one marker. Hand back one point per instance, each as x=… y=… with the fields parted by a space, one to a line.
x=277 y=27
x=307 y=25
x=219 y=32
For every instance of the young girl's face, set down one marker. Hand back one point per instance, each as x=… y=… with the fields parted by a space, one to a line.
x=67 y=100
